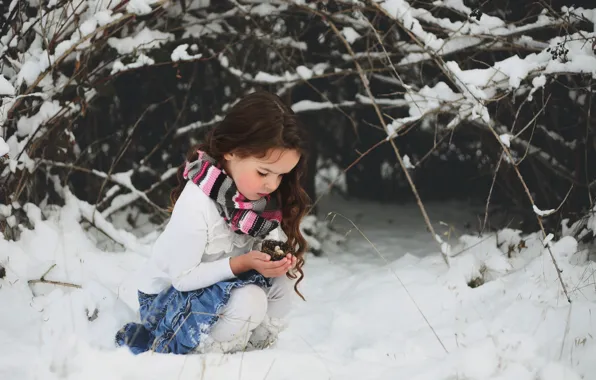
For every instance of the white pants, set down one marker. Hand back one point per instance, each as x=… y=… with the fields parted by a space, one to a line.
x=253 y=315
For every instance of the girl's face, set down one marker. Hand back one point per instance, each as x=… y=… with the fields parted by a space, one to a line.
x=255 y=177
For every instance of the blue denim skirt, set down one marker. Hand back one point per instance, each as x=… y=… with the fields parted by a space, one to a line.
x=174 y=322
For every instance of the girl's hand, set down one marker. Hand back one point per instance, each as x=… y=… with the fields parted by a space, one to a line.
x=293 y=260
x=261 y=262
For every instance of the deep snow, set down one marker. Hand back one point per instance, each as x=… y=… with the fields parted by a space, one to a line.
x=359 y=321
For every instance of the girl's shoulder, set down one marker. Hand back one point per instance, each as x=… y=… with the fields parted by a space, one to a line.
x=194 y=202
x=195 y=208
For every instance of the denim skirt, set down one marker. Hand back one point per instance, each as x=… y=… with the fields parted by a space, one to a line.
x=174 y=322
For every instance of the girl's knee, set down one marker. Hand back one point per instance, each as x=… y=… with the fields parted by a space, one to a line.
x=248 y=303
x=245 y=310
x=281 y=287
x=280 y=297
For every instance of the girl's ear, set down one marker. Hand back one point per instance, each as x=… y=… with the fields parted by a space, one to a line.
x=228 y=156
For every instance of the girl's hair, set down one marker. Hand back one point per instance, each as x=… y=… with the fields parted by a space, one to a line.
x=257 y=123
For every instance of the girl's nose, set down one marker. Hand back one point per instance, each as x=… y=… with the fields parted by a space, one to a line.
x=271 y=183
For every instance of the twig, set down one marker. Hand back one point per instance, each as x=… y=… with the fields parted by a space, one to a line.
x=43 y=276
x=59 y=283
x=269 y=370
x=588 y=119
x=533 y=119
x=42 y=280
x=566 y=332
x=491 y=191
x=525 y=186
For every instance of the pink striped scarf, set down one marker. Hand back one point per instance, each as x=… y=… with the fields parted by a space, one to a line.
x=254 y=218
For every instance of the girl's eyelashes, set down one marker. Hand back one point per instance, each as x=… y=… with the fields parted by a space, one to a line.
x=266 y=174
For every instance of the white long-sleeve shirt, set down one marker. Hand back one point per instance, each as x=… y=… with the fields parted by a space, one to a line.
x=195 y=248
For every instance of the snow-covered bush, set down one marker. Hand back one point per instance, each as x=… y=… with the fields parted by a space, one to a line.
x=109 y=95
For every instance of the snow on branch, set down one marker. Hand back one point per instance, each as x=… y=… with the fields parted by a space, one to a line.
x=300 y=107
x=301 y=73
x=123 y=200
x=462 y=34
x=122 y=179
x=567 y=54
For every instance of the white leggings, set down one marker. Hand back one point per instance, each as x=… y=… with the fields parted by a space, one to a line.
x=250 y=307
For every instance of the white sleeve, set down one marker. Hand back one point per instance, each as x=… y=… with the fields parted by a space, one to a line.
x=185 y=244
x=203 y=275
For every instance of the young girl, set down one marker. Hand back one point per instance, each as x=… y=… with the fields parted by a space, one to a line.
x=207 y=286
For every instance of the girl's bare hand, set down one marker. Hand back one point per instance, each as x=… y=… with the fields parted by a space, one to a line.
x=261 y=262
x=293 y=260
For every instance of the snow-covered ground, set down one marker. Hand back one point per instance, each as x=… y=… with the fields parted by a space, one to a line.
x=389 y=311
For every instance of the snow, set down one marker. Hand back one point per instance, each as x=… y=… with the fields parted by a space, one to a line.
x=197 y=31
x=592 y=220
x=425 y=101
x=540 y=212
x=309 y=105
x=266 y=9
x=29 y=71
x=290 y=42
x=408 y=162
x=403 y=12
x=105 y=17
x=554 y=371
x=302 y=72
x=197 y=125
x=142 y=60
x=329 y=175
x=5 y=87
x=580 y=59
x=430 y=98
x=28 y=125
x=180 y=54
x=539 y=81
x=515 y=68
x=350 y=34
x=506 y=139
x=548 y=238
x=367 y=316
x=140 y=7
x=145 y=39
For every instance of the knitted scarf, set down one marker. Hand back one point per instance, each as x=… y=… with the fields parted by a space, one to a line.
x=254 y=218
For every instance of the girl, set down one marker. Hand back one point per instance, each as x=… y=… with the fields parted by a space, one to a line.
x=207 y=286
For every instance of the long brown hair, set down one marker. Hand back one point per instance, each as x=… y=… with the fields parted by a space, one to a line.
x=256 y=124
